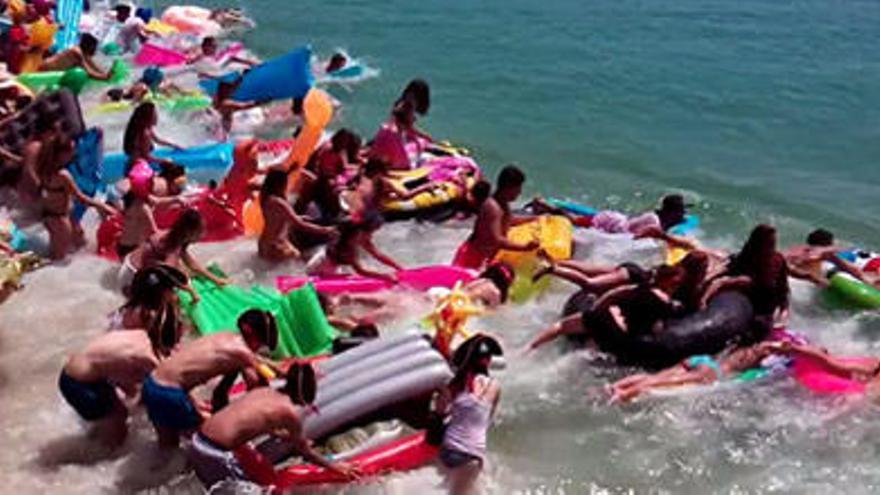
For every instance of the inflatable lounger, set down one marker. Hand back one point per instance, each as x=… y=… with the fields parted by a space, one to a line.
x=174 y=104
x=152 y=54
x=452 y=176
x=61 y=105
x=555 y=236
x=86 y=166
x=210 y=160
x=420 y=279
x=67 y=15
x=287 y=76
x=302 y=326
x=690 y=224
x=74 y=79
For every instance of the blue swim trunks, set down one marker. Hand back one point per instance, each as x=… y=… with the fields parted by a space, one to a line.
x=169 y=407
x=92 y=401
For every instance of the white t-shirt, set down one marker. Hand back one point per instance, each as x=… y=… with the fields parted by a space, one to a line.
x=129 y=34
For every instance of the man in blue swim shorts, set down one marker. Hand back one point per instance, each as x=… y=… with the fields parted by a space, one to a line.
x=167 y=391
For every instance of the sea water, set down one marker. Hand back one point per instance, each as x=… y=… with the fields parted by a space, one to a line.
x=756 y=110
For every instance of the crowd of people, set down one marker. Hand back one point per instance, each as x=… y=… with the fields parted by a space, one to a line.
x=329 y=223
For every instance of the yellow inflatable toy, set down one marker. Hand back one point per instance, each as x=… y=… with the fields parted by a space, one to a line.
x=158 y=27
x=555 y=235
x=317 y=112
x=450 y=317
x=42 y=34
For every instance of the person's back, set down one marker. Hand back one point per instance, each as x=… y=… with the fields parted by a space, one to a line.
x=138 y=225
x=67 y=59
x=203 y=359
x=258 y=412
x=492 y=217
x=122 y=358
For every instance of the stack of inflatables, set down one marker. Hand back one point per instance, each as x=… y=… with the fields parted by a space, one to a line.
x=352 y=386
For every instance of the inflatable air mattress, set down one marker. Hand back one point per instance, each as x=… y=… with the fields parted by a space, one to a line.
x=152 y=54
x=453 y=177
x=420 y=279
x=174 y=104
x=555 y=236
x=287 y=76
x=821 y=380
x=67 y=15
x=74 y=79
x=210 y=160
x=302 y=325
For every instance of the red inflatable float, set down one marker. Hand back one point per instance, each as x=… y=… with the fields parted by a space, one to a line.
x=405 y=454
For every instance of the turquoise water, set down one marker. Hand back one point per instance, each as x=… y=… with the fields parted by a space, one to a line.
x=764 y=110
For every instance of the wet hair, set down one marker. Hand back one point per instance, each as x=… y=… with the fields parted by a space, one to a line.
x=45 y=122
x=172 y=171
x=187 y=225
x=141 y=120
x=481 y=192
x=164 y=329
x=418 y=92
x=336 y=62
x=301 y=384
x=297 y=105
x=150 y=286
x=122 y=10
x=402 y=110
x=209 y=40
x=348 y=141
x=820 y=237
x=695 y=267
x=263 y=324
x=511 y=176
x=373 y=168
x=501 y=275
x=667 y=272
x=753 y=257
x=88 y=44
x=366 y=330
x=469 y=358
x=115 y=94
x=275 y=184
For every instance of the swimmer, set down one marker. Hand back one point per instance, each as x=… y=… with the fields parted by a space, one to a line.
x=207 y=56
x=57 y=192
x=230 y=17
x=170 y=248
x=152 y=82
x=225 y=106
x=324 y=172
x=695 y=370
x=133 y=30
x=337 y=61
x=343 y=251
x=92 y=379
x=805 y=261
x=274 y=242
x=167 y=392
x=140 y=137
x=264 y=411
x=469 y=402
x=629 y=310
x=489 y=234
x=866 y=370
x=489 y=290
x=761 y=273
x=78 y=56
x=398 y=143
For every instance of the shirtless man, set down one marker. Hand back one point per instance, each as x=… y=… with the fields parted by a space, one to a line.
x=260 y=412
x=90 y=380
x=805 y=261
x=493 y=221
x=78 y=56
x=167 y=391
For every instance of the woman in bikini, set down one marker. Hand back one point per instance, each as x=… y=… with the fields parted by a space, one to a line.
x=57 y=192
x=140 y=137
